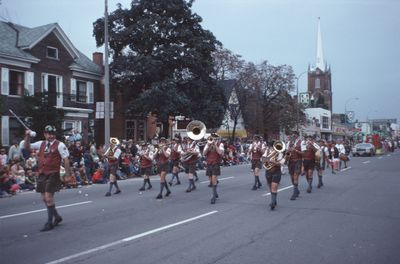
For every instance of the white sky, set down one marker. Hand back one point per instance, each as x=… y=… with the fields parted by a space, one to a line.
x=361 y=39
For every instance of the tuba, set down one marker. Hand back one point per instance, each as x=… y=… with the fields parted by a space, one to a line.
x=278 y=147
x=109 y=153
x=196 y=130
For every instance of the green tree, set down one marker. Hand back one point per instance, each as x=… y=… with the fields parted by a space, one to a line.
x=160 y=45
x=41 y=113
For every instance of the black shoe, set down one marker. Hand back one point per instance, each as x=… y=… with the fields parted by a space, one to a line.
x=108 y=194
x=57 y=220
x=178 y=183
x=47 y=227
x=168 y=193
x=170 y=183
x=148 y=188
x=117 y=192
x=320 y=184
x=254 y=188
x=213 y=200
x=142 y=189
x=188 y=190
x=216 y=196
x=210 y=185
x=259 y=185
x=309 y=189
x=294 y=196
x=159 y=196
x=272 y=206
x=193 y=188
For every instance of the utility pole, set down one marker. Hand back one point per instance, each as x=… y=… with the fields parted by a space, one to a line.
x=106 y=79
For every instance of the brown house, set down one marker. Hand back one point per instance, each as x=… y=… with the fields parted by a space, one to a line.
x=39 y=59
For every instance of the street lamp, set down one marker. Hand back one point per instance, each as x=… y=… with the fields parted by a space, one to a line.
x=369 y=121
x=106 y=78
x=345 y=105
x=297 y=94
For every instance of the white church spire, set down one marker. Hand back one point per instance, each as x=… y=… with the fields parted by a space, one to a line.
x=320 y=55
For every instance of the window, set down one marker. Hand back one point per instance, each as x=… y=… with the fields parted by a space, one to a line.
x=52 y=53
x=81 y=91
x=17 y=83
x=317 y=83
x=325 y=122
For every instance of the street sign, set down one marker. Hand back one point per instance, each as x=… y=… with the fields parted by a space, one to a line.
x=304 y=99
x=350 y=116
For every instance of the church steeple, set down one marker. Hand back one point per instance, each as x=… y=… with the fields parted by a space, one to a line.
x=320 y=55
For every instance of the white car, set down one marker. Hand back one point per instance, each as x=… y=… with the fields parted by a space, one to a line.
x=362 y=149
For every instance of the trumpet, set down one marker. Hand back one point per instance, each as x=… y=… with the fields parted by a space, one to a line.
x=278 y=147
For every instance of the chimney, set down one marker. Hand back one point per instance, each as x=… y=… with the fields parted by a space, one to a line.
x=98 y=58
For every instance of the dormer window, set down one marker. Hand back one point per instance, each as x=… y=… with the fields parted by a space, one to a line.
x=52 y=53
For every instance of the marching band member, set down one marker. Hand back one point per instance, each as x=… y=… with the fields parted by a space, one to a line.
x=295 y=162
x=175 y=157
x=273 y=173
x=256 y=151
x=112 y=156
x=146 y=163
x=322 y=162
x=342 y=154
x=162 y=156
x=189 y=156
x=309 y=151
x=51 y=155
x=213 y=151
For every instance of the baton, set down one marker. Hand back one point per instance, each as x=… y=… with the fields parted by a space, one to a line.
x=33 y=133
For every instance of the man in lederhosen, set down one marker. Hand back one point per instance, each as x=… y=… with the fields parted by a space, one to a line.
x=52 y=153
x=273 y=173
x=146 y=163
x=295 y=162
x=309 y=149
x=256 y=150
x=112 y=156
x=213 y=152
x=175 y=157
x=190 y=154
x=162 y=159
x=323 y=159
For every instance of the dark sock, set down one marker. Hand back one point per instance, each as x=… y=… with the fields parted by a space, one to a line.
x=56 y=215
x=309 y=180
x=166 y=186
x=148 y=181
x=214 y=188
x=192 y=183
x=255 y=180
x=50 y=213
x=116 y=186
x=273 y=197
x=177 y=177
x=110 y=188
x=162 y=184
x=296 y=188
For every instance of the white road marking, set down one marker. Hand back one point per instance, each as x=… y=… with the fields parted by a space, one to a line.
x=345 y=169
x=219 y=179
x=367 y=161
x=380 y=157
x=130 y=238
x=41 y=210
x=279 y=190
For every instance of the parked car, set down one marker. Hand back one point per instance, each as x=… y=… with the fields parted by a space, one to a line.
x=362 y=149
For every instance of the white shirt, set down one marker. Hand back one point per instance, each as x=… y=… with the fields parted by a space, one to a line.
x=62 y=149
x=341 y=148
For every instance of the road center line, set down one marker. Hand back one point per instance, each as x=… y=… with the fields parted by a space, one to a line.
x=345 y=169
x=380 y=157
x=367 y=161
x=130 y=238
x=219 y=179
x=41 y=210
x=279 y=190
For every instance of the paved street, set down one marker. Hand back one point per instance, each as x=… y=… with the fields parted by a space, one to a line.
x=354 y=218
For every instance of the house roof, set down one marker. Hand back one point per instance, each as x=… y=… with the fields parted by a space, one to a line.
x=17 y=40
